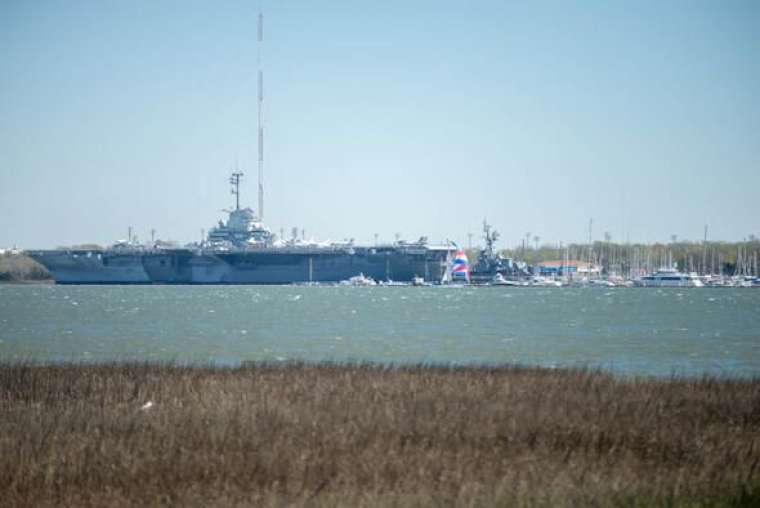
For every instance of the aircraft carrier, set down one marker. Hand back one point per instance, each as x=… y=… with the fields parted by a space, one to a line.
x=241 y=250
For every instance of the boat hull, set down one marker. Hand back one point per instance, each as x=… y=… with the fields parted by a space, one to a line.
x=92 y=267
x=265 y=266
x=683 y=283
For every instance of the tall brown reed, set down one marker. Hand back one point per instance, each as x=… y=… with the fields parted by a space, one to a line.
x=363 y=435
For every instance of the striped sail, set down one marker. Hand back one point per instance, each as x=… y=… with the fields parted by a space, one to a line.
x=460 y=270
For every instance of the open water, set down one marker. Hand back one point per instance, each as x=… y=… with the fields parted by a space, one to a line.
x=627 y=330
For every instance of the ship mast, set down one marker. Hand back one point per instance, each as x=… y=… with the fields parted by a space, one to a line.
x=235 y=181
x=261 y=126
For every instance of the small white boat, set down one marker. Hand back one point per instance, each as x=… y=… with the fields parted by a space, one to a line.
x=499 y=280
x=601 y=283
x=744 y=281
x=359 y=280
x=670 y=277
x=545 y=282
x=392 y=283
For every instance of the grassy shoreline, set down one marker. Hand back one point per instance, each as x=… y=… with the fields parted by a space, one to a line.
x=368 y=435
x=20 y=269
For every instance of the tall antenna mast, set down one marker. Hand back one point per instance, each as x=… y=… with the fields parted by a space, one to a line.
x=235 y=181
x=261 y=119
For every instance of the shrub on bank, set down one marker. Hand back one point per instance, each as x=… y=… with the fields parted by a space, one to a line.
x=18 y=267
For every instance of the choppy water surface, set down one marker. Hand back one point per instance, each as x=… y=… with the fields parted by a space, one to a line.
x=630 y=331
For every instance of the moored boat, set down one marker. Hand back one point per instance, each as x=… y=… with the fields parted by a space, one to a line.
x=669 y=277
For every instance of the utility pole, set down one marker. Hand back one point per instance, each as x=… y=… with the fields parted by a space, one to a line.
x=469 y=241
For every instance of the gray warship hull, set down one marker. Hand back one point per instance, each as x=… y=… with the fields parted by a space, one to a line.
x=242 y=250
x=92 y=267
x=256 y=266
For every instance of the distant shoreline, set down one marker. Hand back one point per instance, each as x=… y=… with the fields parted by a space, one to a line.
x=20 y=268
x=26 y=282
x=352 y=434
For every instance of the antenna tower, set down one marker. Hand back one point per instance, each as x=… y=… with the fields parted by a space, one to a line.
x=235 y=181
x=261 y=119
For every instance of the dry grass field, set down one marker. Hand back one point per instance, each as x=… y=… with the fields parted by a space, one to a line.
x=362 y=435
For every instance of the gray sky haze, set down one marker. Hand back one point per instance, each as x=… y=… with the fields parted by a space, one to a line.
x=418 y=118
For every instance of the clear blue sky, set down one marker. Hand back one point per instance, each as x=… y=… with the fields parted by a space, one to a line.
x=420 y=118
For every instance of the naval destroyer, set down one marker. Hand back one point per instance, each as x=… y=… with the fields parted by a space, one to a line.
x=492 y=267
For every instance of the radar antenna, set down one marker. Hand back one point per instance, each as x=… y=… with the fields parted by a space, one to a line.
x=261 y=115
x=490 y=236
x=235 y=182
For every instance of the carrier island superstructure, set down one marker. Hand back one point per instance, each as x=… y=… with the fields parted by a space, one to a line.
x=241 y=250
